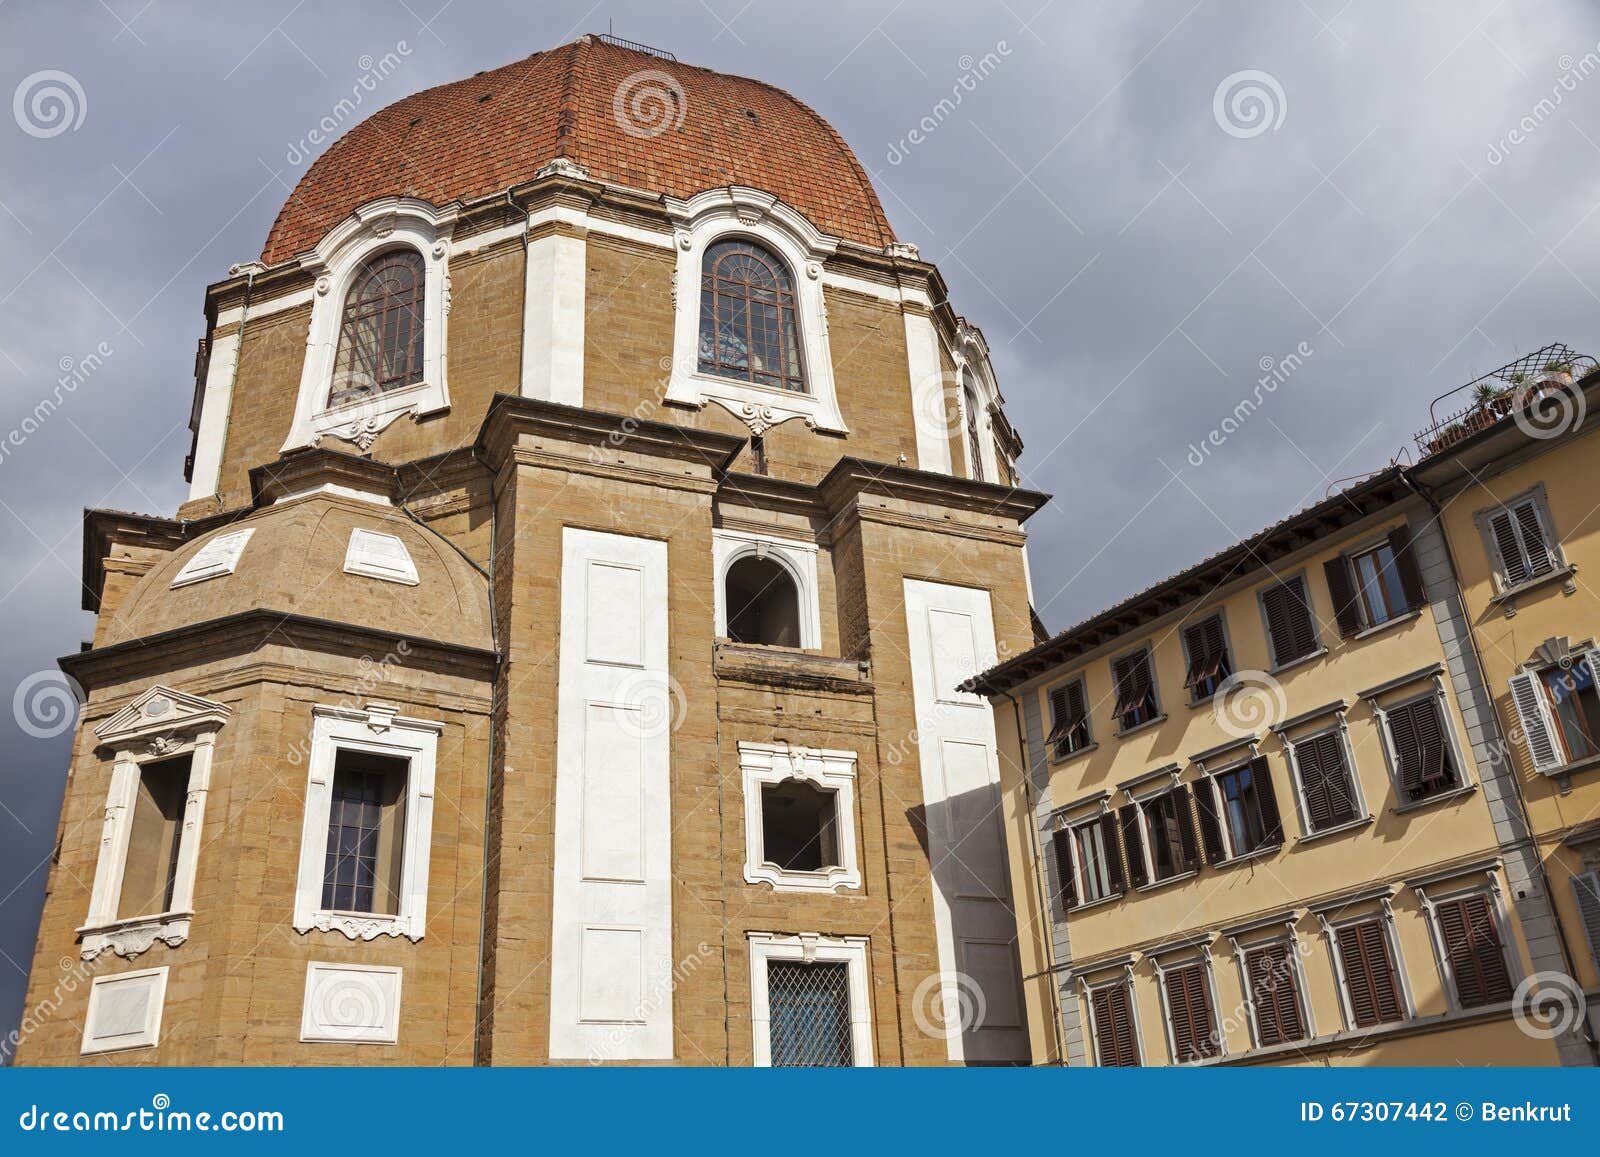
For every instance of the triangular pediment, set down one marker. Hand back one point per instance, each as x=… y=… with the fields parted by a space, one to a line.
x=161 y=709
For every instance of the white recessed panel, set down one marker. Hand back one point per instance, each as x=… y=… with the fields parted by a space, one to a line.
x=955 y=653
x=611 y=976
x=218 y=557
x=351 y=1003
x=379 y=556
x=125 y=1011
x=992 y=966
x=613 y=799
x=972 y=820
x=616 y=614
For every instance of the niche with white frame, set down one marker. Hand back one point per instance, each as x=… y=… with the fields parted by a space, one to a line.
x=391 y=758
x=155 y=811
x=376 y=228
x=755 y=574
x=730 y=213
x=799 y=817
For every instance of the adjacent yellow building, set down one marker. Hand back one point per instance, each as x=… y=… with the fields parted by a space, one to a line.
x=1263 y=812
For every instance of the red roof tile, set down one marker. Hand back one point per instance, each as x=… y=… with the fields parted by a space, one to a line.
x=479 y=136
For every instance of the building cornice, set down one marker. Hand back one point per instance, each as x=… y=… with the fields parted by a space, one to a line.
x=852 y=477
x=511 y=416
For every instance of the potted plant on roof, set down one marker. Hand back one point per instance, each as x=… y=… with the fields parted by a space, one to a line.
x=1556 y=375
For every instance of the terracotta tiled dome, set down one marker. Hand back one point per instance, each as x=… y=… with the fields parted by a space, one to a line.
x=492 y=131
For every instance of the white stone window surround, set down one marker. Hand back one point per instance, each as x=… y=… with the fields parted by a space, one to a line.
x=735 y=212
x=379 y=730
x=1340 y=729
x=351 y=1004
x=1170 y=959
x=1482 y=880
x=373 y=229
x=1447 y=725
x=761 y=764
x=798 y=558
x=160 y=724
x=1265 y=934
x=1336 y=915
x=811 y=947
x=115 y=1020
x=971 y=356
x=1122 y=978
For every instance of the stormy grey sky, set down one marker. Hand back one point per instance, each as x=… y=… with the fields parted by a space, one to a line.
x=1410 y=190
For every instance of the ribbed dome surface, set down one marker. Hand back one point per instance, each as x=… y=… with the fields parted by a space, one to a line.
x=294 y=564
x=485 y=134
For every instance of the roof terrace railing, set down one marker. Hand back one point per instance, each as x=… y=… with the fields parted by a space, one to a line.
x=1461 y=412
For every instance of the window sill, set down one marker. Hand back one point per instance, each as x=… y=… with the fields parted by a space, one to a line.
x=1278 y=669
x=1510 y=594
x=1335 y=830
x=1069 y=757
x=1387 y=624
x=1261 y=853
x=361 y=925
x=1100 y=903
x=1159 y=884
x=1587 y=763
x=1430 y=801
x=826 y=880
x=1145 y=726
x=128 y=938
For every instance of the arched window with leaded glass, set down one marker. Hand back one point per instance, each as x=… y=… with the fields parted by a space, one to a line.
x=748 y=330
x=380 y=334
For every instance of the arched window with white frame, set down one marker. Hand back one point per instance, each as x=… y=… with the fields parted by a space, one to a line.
x=748 y=329
x=381 y=330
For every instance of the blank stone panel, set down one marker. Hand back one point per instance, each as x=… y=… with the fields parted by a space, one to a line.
x=955 y=653
x=613 y=793
x=611 y=976
x=615 y=615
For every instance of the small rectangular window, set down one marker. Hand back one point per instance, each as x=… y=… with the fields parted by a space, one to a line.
x=1136 y=690
x=366 y=834
x=1209 y=664
x=1069 y=719
x=1243 y=809
x=1425 y=766
x=798 y=826
x=1274 y=995
x=1188 y=996
x=1169 y=832
x=1290 y=624
x=1371 y=985
x=151 y=868
x=1094 y=860
x=1519 y=540
x=1575 y=707
x=1472 y=947
x=1116 y=1040
x=810 y=1008
x=1378 y=585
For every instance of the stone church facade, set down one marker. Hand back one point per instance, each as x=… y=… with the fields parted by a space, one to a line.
x=594 y=509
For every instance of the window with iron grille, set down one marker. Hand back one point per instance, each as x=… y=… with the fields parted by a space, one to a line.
x=1069 y=719
x=1274 y=994
x=1519 y=540
x=1207 y=649
x=1116 y=1038
x=1327 y=782
x=1425 y=765
x=362 y=867
x=1187 y=991
x=1136 y=690
x=1372 y=987
x=747 y=318
x=810 y=1010
x=1473 y=950
x=1290 y=624
x=380 y=336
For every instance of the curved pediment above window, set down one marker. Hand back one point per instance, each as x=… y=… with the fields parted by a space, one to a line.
x=378 y=341
x=750 y=324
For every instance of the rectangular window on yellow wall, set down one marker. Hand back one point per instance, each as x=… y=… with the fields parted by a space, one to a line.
x=152 y=864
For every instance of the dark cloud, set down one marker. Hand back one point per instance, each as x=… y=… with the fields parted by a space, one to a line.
x=1130 y=261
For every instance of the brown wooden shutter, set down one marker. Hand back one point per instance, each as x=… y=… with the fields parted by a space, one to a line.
x=1289 y=621
x=1512 y=566
x=1405 y=561
x=1205 y=795
x=1066 y=884
x=1346 y=607
x=1267 y=795
x=1067 y=711
x=1110 y=836
x=1326 y=782
x=1275 y=995
x=1420 y=749
x=1115 y=1043
x=1208 y=650
x=1472 y=944
x=1408 y=752
x=1133 y=844
x=1540 y=558
x=1188 y=845
x=1369 y=974
x=1189 y=1006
